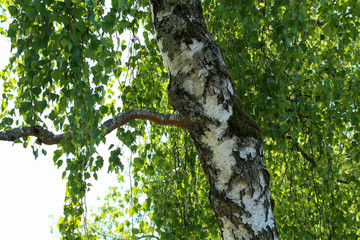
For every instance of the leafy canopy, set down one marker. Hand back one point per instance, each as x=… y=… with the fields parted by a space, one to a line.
x=295 y=64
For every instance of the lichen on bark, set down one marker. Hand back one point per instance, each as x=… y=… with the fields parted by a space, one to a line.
x=241 y=124
x=227 y=139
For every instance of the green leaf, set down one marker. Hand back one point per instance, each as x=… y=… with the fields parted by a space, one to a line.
x=8 y=121
x=44 y=152
x=25 y=106
x=57 y=154
x=59 y=163
x=31 y=13
x=40 y=106
x=36 y=90
x=307 y=236
x=120 y=228
x=56 y=74
x=64 y=42
x=99 y=162
x=13 y=11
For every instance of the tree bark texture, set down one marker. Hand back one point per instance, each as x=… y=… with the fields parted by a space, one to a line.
x=49 y=138
x=228 y=142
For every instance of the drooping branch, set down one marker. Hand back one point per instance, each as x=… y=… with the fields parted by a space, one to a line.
x=306 y=156
x=49 y=138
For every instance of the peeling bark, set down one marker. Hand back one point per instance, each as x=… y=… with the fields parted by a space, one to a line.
x=202 y=91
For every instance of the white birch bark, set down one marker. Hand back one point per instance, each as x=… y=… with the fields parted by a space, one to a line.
x=201 y=89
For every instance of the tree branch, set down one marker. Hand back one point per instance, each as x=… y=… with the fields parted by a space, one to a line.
x=49 y=138
x=306 y=156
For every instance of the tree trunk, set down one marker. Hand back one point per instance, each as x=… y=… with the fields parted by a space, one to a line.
x=228 y=142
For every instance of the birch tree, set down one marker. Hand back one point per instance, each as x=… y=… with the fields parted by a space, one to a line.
x=73 y=79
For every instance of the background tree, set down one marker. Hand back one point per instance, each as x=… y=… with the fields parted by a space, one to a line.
x=295 y=66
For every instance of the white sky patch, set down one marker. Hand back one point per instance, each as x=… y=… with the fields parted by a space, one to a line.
x=5 y=51
x=31 y=191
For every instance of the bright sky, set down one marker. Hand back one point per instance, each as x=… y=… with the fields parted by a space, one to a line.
x=31 y=191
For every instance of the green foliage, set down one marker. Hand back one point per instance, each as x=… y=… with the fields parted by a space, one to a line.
x=63 y=57
x=167 y=196
x=296 y=68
